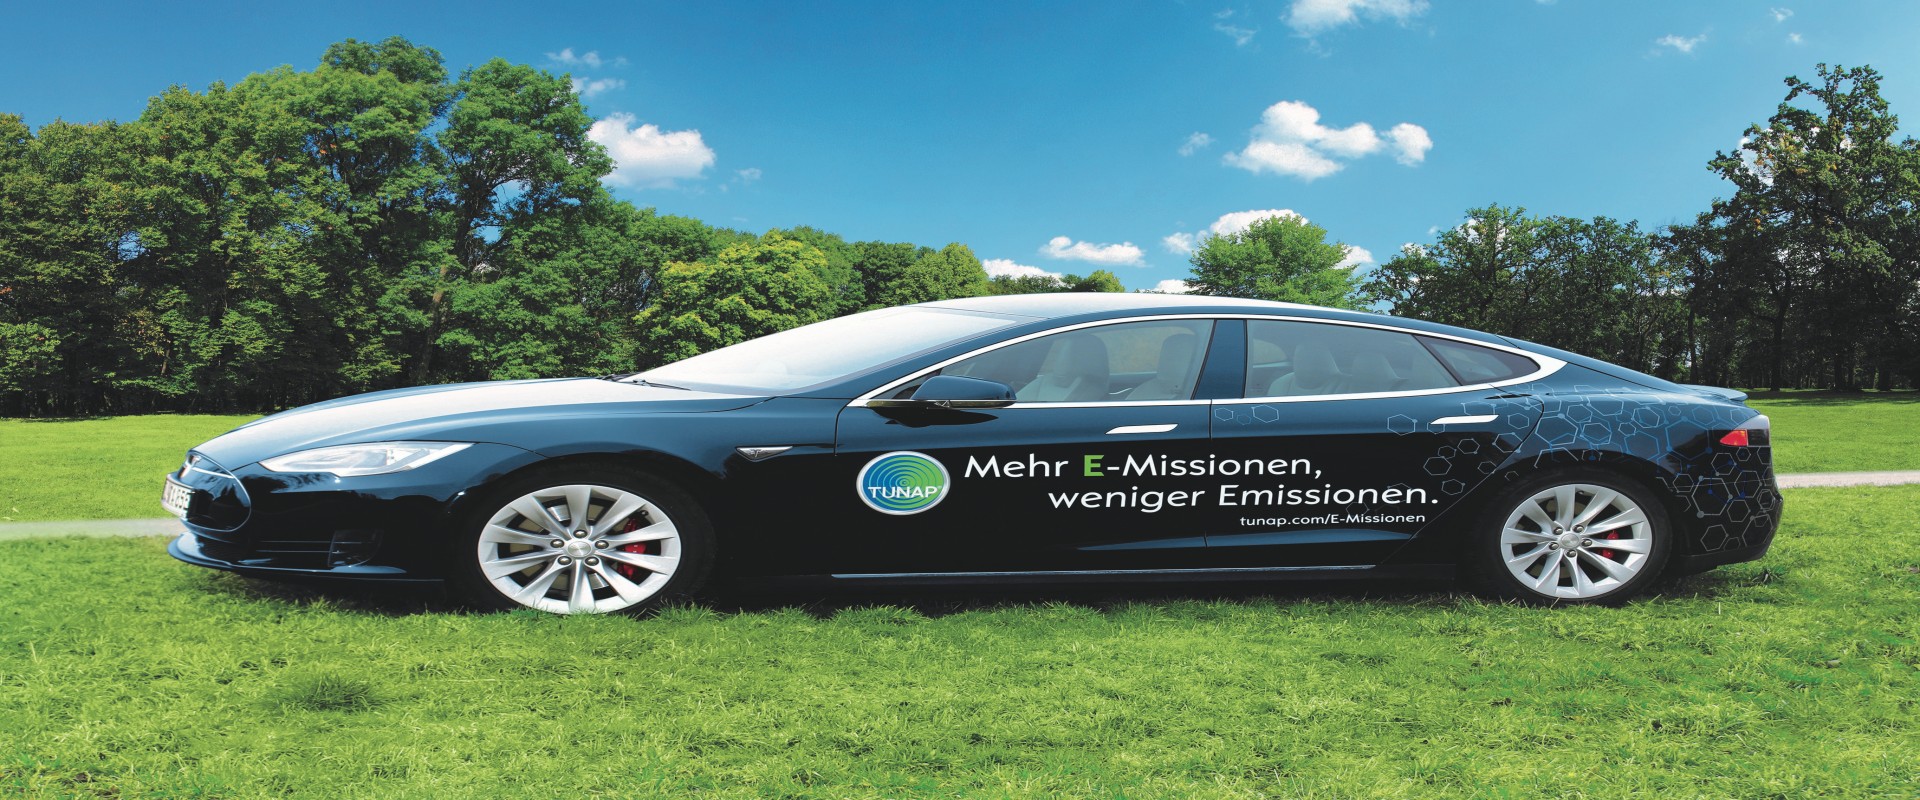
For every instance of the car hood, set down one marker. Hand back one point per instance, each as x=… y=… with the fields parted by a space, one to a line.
x=452 y=412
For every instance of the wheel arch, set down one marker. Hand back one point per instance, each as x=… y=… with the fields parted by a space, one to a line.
x=690 y=477
x=1454 y=527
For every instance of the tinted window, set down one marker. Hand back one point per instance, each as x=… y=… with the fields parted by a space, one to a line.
x=1475 y=364
x=1128 y=362
x=1298 y=359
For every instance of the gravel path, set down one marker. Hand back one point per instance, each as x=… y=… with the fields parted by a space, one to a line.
x=166 y=526
x=1806 y=479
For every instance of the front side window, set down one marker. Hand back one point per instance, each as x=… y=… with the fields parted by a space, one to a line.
x=1126 y=362
x=1300 y=359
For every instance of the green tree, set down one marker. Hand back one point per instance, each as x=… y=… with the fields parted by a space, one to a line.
x=518 y=159
x=749 y=290
x=1823 y=213
x=1099 y=280
x=1281 y=258
x=1470 y=275
x=893 y=280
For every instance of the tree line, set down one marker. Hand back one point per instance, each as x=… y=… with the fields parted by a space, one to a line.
x=1807 y=275
x=378 y=221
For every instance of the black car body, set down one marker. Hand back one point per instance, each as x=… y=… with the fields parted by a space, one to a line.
x=1221 y=437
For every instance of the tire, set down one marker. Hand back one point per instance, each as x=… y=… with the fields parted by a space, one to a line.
x=1521 y=540
x=646 y=543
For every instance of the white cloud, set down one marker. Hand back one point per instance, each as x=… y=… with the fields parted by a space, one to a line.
x=1356 y=256
x=1410 y=143
x=1684 y=44
x=1172 y=286
x=999 y=267
x=1195 y=142
x=590 y=59
x=1232 y=222
x=1236 y=221
x=1291 y=141
x=1780 y=14
x=648 y=157
x=1240 y=36
x=1793 y=38
x=588 y=87
x=748 y=175
x=1311 y=17
x=1062 y=247
x=1284 y=158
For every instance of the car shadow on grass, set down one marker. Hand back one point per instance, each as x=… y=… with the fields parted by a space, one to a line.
x=826 y=601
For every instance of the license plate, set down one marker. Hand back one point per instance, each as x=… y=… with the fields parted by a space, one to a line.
x=174 y=499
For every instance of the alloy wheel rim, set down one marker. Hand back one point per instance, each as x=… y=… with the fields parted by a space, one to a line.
x=1576 y=541
x=579 y=549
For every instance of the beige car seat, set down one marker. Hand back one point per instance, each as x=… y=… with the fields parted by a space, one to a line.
x=1078 y=373
x=1169 y=381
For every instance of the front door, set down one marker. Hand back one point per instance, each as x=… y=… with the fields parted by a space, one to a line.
x=1054 y=482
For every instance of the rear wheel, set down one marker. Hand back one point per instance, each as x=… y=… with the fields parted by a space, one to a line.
x=1571 y=537
x=584 y=541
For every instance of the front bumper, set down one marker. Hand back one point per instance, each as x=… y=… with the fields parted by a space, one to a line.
x=382 y=527
x=189 y=548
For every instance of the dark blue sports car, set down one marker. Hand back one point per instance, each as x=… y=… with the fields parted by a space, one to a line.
x=1050 y=438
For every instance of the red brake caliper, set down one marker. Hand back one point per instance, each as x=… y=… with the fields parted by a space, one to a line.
x=632 y=572
x=1606 y=553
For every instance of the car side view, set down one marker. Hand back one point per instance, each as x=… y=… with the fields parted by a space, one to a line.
x=1030 y=438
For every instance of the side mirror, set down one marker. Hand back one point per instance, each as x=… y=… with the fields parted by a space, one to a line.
x=955 y=392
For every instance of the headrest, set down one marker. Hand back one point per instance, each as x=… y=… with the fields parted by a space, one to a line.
x=1373 y=365
x=1176 y=357
x=1313 y=366
x=1083 y=356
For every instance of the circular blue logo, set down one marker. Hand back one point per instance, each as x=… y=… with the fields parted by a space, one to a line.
x=902 y=483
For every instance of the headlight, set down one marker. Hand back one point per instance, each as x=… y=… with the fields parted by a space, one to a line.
x=352 y=460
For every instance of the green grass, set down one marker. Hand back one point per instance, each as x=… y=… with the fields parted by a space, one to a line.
x=124 y=674
x=1826 y=432
x=118 y=461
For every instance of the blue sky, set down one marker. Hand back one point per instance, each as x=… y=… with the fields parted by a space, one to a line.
x=1063 y=136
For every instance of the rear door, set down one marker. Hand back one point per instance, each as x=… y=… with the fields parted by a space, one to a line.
x=1349 y=439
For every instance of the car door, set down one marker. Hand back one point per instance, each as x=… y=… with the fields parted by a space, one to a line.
x=1351 y=438
x=1051 y=482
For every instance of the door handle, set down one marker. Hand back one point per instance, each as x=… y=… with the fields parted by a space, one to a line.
x=1126 y=429
x=1475 y=419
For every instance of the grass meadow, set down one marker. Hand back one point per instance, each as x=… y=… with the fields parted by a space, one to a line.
x=105 y=468
x=123 y=674
x=1828 y=432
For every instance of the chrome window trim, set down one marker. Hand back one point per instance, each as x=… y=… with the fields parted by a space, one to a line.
x=1548 y=364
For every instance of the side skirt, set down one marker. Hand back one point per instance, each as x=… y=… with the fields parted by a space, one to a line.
x=1224 y=574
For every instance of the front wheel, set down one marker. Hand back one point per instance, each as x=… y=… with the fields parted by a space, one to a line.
x=1585 y=537
x=581 y=541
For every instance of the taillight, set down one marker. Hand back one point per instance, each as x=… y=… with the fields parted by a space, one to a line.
x=1756 y=432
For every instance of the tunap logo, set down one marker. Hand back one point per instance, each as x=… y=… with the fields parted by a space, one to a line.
x=902 y=483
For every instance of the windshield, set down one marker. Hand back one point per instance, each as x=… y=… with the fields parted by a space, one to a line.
x=824 y=351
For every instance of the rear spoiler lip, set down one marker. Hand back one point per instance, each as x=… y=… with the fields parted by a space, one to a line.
x=1734 y=395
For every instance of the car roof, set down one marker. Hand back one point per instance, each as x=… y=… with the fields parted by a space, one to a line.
x=1068 y=304
x=1057 y=306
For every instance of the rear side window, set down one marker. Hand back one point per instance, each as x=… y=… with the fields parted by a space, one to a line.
x=1476 y=364
x=1286 y=358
